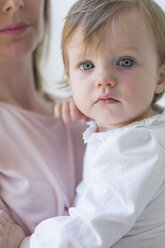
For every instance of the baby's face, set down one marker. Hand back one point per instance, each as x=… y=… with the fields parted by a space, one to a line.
x=115 y=85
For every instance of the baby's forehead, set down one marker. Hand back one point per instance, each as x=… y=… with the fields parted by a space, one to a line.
x=126 y=20
x=126 y=25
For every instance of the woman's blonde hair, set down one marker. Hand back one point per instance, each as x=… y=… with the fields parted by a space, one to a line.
x=93 y=15
x=42 y=46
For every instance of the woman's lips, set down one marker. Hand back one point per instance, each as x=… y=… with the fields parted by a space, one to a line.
x=15 y=29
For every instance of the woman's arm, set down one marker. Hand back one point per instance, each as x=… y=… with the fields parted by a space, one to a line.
x=25 y=243
x=11 y=234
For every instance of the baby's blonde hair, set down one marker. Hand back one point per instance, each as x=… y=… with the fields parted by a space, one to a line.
x=93 y=16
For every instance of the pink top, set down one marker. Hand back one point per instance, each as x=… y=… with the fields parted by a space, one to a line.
x=40 y=165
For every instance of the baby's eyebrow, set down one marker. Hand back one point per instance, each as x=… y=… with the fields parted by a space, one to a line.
x=130 y=48
x=80 y=56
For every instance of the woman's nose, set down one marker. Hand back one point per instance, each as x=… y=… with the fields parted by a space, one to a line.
x=10 y=6
x=105 y=81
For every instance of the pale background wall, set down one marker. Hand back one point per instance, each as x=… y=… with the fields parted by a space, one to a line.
x=53 y=69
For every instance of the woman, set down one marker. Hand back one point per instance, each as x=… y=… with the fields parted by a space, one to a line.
x=39 y=157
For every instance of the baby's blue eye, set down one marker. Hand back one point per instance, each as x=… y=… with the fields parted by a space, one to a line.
x=126 y=62
x=86 y=66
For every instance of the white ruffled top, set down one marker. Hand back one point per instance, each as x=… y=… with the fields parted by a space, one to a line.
x=121 y=201
x=90 y=135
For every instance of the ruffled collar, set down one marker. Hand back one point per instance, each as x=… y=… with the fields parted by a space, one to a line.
x=90 y=135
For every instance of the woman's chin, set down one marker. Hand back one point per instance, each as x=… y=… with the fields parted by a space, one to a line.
x=17 y=49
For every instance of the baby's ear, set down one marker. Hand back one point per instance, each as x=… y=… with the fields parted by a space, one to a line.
x=67 y=76
x=160 y=87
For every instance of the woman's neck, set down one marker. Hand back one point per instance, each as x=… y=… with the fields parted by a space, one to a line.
x=18 y=87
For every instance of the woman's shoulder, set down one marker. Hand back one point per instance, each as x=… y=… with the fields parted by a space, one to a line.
x=9 y=109
x=18 y=122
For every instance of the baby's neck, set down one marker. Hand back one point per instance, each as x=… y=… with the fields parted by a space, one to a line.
x=106 y=127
